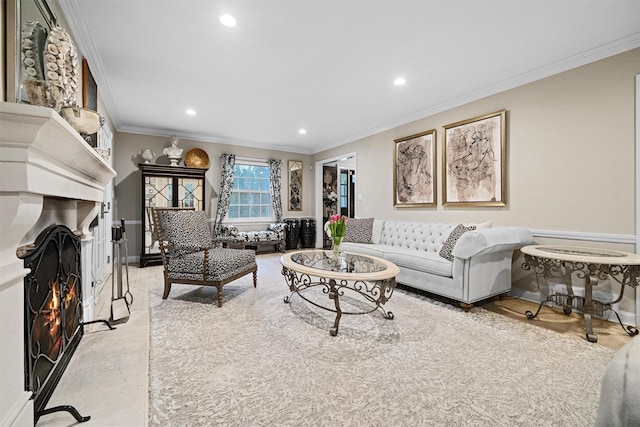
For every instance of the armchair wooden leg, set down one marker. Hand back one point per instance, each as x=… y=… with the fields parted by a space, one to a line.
x=167 y=289
x=255 y=279
x=219 y=295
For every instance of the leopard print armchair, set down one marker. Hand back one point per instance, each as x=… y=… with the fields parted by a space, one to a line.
x=188 y=252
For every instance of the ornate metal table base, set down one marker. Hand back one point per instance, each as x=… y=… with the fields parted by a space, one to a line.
x=549 y=268
x=377 y=292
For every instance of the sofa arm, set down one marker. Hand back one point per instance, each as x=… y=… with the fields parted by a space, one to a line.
x=489 y=240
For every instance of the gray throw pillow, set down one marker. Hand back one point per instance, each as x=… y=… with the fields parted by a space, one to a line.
x=450 y=243
x=359 y=230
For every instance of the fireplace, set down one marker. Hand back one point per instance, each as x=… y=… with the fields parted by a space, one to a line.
x=53 y=310
x=48 y=175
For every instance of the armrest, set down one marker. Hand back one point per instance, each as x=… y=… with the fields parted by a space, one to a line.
x=278 y=227
x=489 y=240
x=228 y=230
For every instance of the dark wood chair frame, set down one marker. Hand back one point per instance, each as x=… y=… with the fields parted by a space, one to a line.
x=164 y=252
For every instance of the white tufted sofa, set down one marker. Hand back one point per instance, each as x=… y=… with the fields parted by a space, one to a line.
x=481 y=266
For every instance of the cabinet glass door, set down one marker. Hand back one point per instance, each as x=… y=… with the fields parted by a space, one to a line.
x=166 y=186
x=190 y=193
x=158 y=194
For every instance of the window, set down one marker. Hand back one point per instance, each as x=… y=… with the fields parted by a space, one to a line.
x=251 y=198
x=344 y=189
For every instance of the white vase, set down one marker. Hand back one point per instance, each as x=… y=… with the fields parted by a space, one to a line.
x=147 y=155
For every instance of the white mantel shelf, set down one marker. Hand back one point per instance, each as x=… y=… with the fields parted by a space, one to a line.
x=48 y=174
x=40 y=153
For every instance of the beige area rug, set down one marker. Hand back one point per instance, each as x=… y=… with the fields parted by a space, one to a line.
x=260 y=362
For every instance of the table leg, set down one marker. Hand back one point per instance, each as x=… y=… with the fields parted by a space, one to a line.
x=333 y=294
x=587 y=309
x=567 y=307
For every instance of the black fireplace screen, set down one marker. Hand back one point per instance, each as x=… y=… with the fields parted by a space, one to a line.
x=53 y=309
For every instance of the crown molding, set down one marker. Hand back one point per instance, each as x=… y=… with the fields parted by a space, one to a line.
x=74 y=14
x=601 y=52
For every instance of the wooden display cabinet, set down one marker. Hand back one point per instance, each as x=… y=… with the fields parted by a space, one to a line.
x=166 y=186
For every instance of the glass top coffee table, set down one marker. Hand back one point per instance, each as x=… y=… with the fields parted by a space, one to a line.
x=369 y=277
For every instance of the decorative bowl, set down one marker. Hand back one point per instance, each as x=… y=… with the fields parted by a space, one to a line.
x=196 y=158
x=86 y=122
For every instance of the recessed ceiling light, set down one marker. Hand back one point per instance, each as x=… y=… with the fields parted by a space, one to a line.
x=302 y=131
x=399 y=81
x=190 y=112
x=228 y=20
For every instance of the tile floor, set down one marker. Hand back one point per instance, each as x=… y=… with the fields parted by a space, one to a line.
x=107 y=377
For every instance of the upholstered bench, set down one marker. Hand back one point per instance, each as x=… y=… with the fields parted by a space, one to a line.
x=274 y=235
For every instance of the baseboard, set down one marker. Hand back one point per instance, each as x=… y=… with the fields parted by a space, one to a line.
x=628 y=318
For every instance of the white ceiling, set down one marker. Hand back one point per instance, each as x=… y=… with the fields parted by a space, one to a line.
x=327 y=65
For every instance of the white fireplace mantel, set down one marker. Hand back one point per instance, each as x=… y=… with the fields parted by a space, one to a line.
x=48 y=174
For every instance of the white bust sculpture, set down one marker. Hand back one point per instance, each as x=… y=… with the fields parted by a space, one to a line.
x=173 y=153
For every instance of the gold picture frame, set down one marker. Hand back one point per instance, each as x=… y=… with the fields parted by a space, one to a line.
x=414 y=170
x=295 y=184
x=474 y=161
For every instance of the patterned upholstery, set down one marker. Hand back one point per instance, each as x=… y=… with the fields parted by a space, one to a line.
x=274 y=235
x=188 y=254
x=451 y=241
x=185 y=229
x=359 y=230
x=223 y=263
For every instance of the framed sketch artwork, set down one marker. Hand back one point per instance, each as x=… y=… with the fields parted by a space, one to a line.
x=295 y=185
x=474 y=161
x=414 y=170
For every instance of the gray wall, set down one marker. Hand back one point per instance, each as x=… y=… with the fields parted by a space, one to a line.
x=128 y=187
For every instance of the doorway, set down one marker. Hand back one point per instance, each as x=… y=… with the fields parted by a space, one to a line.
x=335 y=192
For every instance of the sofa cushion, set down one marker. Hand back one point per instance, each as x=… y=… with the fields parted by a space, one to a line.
x=259 y=236
x=376 y=231
x=364 y=248
x=421 y=236
x=359 y=230
x=223 y=263
x=451 y=241
x=481 y=225
x=428 y=262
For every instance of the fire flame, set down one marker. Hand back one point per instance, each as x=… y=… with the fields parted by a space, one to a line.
x=52 y=313
x=70 y=297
